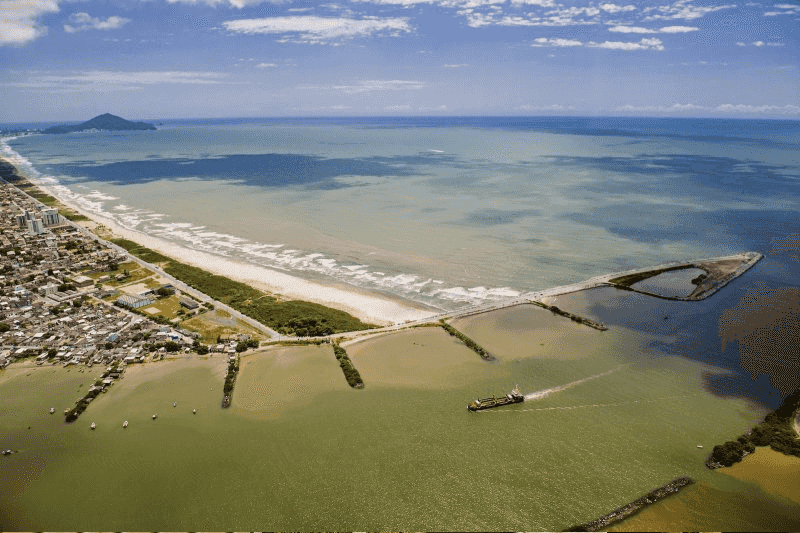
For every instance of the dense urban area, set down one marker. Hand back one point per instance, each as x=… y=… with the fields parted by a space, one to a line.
x=67 y=298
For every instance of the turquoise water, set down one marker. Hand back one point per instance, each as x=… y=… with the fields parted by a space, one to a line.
x=445 y=211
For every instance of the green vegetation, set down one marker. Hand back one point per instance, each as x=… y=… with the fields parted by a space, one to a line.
x=141 y=252
x=471 y=344
x=230 y=381
x=244 y=345
x=775 y=431
x=74 y=217
x=303 y=342
x=571 y=316
x=350 y=373
x=4 y=327
x=294 y=317
x=630 y=279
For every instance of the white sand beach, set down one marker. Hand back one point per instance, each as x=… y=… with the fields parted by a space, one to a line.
x=376 y=309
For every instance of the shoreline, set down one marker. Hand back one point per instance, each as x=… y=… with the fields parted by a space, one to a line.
x=382 y=310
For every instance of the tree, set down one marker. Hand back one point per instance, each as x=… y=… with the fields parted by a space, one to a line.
x=4 y=327
x=172 y=346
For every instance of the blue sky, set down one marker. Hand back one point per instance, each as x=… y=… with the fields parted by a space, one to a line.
x=149 y=59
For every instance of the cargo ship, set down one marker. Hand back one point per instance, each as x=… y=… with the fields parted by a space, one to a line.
x=515 y=396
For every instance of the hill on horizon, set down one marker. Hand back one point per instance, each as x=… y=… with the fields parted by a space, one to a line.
x=106 y=121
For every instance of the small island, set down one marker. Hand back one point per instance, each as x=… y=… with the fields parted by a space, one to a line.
x=105 y=122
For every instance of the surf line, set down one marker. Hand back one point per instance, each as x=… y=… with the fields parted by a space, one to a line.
x=584 y=406
x=546 y=392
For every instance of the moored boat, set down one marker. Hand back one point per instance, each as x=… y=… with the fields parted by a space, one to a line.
x=515 y=396
x=52 y=410
x=92 y=426
x=154 y=417
x=125 y=424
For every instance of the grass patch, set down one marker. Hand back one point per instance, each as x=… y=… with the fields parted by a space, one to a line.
x=209 y=330
x=630 y=279
x=141 y=252
x=293 y=317
x=74 y=217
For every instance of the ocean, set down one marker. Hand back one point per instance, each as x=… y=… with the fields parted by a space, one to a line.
x=447 y=212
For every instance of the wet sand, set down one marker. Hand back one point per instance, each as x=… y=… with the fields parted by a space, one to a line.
x=773 y=471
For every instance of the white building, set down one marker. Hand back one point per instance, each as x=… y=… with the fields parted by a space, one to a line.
x=35 y=227
x=51 y=217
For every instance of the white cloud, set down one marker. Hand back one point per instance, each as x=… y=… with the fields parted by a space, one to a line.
x=366 y=86
x=678 y=29
x=667 y=29
x=790 y=9
x=614 y=8
x=397 y=108
x=18 y=19
x=459 y=65
x=631 y=29
x=758 y=43
x=740 y=44
x=439 y=108
x=104 y=80
x=233 y=3
x=542 y=3
x=741 y=109
x=543 y=41
x=317 y=30
x=266 y=65
x=644 y=44
x=82 y=21
x=682 y=9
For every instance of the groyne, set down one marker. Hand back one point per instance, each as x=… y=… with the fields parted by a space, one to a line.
x=471 y=344
x=350 y=373
x=575 y=318
x=628 y=510
x=106 y=380
x=230 y=380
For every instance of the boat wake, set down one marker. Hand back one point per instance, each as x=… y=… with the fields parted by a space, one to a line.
x=569 y=407
x=538 y=395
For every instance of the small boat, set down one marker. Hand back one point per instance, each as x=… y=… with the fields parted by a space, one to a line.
x=125 y=424
x=174 y=404
x=699 y=445
x=6 y=452
x=52 y=410
x=92 y=426
x=154 y=417
x=66 y=410
x=194 y=411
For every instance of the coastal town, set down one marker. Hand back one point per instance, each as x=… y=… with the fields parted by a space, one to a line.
x=67 y=299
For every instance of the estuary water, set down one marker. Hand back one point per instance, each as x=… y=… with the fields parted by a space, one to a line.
x=442 y=211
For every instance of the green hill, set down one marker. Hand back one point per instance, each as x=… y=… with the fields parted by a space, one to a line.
x=106 y=122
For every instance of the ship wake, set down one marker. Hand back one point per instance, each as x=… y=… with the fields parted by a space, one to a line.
x=538 y=395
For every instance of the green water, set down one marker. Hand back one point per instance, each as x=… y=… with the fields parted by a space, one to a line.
x=306 y=452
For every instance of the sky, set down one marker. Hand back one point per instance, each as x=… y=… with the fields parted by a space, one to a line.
x=69 y=60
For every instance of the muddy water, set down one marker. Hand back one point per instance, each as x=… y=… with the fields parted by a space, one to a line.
x=300 y=449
